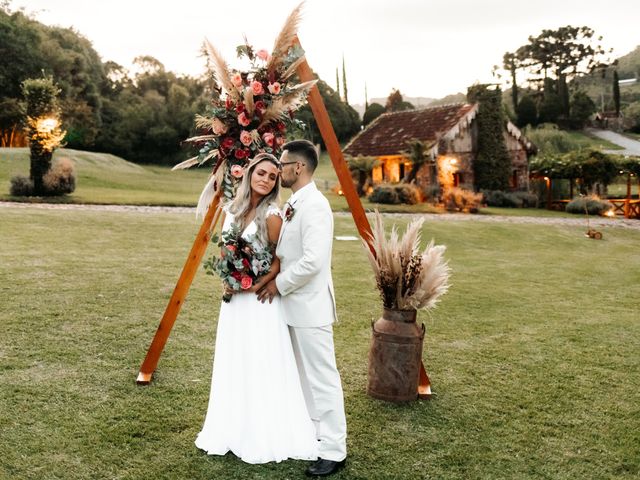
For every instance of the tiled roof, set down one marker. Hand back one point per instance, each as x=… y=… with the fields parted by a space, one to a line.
x=389 y=133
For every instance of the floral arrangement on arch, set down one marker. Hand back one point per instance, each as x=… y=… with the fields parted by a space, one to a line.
x=250 y=111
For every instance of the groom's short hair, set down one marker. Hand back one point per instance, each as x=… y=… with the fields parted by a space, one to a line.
x=304 y=149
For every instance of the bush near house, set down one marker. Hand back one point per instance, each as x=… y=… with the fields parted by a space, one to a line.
x=461 y=200
x=594 y=205
x=406 y=193
x=498 y=198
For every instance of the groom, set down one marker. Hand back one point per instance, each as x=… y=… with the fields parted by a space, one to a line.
x=306 y=287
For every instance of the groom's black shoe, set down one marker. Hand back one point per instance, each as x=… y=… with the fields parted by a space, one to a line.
x=322 y=467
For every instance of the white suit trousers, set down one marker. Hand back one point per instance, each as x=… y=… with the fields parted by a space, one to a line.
x=322 y=388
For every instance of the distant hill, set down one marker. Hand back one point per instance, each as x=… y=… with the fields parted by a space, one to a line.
x=418 y=102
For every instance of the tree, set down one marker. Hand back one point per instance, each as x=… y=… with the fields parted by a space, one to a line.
x=418 y=157
x=550 y=108
x=395 y=102
x=632 y=114
x=511 y=64
x=560 y=55
x=344 y=82
x=45 y=134
x=372 y=112
x=616 y=92
x=345 y=120
x=582 y=107
x=526 y=112
x=362 y=167
x=492 y=165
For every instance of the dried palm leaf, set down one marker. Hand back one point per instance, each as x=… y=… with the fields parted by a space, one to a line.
x=285 y=39
x=292 y=100
x=187 y=163
x=201 y=138
x=203 y=122
x=407 y=279
x=293 y=67
x=248 y=102
x=221 y=71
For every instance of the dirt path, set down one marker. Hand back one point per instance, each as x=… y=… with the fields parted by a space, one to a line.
x=631 y=146
x=578 y=221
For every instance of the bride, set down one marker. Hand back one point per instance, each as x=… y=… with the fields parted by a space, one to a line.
x=256 y=407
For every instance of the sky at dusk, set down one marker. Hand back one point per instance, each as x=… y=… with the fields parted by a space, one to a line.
x=423 y=48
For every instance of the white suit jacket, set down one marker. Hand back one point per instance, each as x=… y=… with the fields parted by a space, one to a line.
x=304 y=249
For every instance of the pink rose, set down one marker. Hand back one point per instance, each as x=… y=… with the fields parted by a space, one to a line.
x=243 y=120
x=237 y=171
x=256 y=88
x=268 y=138
x=274 y=88
x=218 y=126
x=236 y=79
x=263 y=55
x=246 y=282
x=245 y=138
x=230 y=248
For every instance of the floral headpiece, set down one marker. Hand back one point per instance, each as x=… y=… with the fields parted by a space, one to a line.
x=250 y=110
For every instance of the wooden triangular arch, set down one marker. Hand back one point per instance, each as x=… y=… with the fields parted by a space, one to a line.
x=202 y=238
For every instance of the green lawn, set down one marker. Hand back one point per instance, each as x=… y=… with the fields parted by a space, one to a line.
x=105 y=178
x=533 y=355
x=588 y=141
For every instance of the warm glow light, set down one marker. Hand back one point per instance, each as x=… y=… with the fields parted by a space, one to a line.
x=340 y=192
x=546 y=179
x=453 y=161
x=610 y=213
x=47 y=124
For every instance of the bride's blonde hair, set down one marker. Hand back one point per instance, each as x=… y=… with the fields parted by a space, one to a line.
x=241 y=205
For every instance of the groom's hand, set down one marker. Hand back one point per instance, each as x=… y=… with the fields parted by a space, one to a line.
x=268 y=291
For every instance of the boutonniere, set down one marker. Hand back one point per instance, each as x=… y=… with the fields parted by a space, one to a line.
x=288 y=213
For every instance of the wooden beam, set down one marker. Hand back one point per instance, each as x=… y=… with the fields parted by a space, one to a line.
x=179 y=293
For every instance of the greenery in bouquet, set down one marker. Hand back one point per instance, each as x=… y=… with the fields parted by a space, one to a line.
x=242 y=261
x=251 y=110
x=407 y=278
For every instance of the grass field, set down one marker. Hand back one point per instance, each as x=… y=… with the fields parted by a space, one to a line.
x=533 y=355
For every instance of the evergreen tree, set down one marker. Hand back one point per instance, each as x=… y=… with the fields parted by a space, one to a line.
x=344 y=82
x=372 y=112
x=526 y=112
x=492 y=165
x=616 y=91
x=337 y=82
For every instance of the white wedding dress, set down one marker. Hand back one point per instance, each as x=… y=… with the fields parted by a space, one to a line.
x=256 y=407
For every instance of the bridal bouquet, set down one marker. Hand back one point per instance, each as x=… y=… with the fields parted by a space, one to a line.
x=251 y=110
x=241 y=262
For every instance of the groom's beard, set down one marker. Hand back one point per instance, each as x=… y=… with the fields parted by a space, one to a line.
x=286 y=183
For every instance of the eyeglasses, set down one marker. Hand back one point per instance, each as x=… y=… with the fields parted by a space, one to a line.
x=288 y=163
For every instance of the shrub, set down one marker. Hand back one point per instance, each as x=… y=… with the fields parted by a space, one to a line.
x=21 y=186
x=459 y=199
x=408 y=193
x=498 y=198
x=528 y=199
x=384 y=194
x=431 y=193
x=61 y=178
x=595 y=205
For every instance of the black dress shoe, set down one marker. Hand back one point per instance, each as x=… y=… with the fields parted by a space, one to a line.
x=322 y=467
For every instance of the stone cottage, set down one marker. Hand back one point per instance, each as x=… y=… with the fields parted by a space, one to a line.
x=451 y=136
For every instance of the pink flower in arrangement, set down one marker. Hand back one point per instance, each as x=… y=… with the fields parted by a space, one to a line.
x=246 y=138
x=243 y=120
x=274 y=88
x=218 y=126
x=231 y=248
x=246 y=282
x=237 y=171
x=256 y=88
x=263 y=55
x=236 y=79
x=268 y=138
